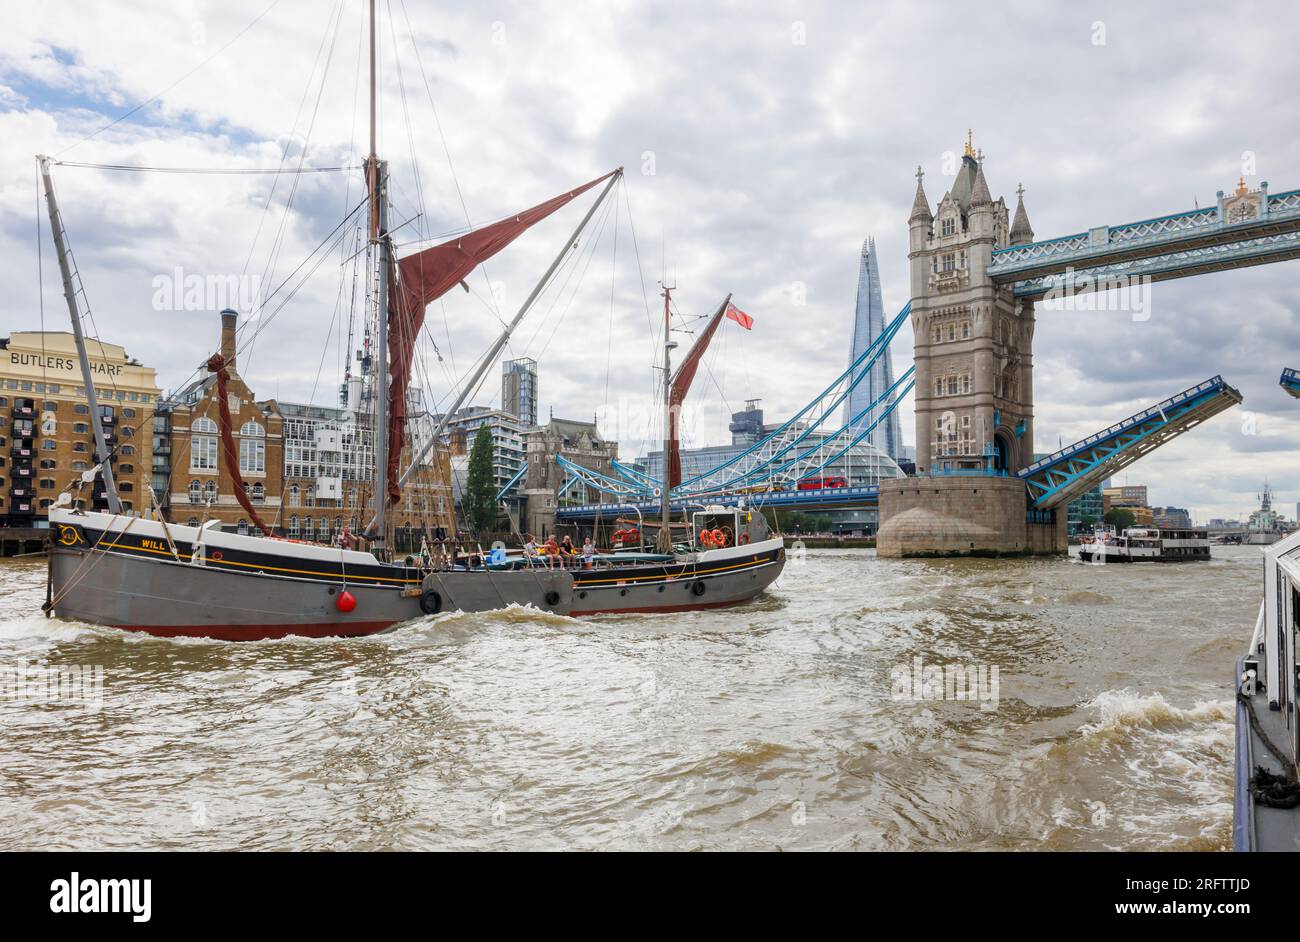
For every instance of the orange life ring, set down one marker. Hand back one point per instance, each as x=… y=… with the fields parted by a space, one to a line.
x=706 y=538
x=744 y=538
x=719 y=538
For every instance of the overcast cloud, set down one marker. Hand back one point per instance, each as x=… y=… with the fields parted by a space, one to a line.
x=778 y=136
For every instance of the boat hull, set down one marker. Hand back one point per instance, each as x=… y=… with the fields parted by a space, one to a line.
x=182 y=582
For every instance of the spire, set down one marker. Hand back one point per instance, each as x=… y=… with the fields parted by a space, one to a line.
x=920 y=205
x=1021 y=231
x=980 y=195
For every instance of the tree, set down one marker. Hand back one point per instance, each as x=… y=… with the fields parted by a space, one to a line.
x=480 y=489
x=1121 y=518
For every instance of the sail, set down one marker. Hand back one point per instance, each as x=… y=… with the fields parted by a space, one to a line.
x=683 y=376
x=426 y=276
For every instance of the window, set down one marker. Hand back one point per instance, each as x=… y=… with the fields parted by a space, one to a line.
x=193 y=522
x=128 y=413
x=79 y=466
x=196 y=492
x=128 y=432
x=311 y=496
x=949 y=226
x=965 y=330
x=127 y=469
x=126 y=486
x=47 y=484
x=50 y=406
x=210 y=491
x=81 y=408
x=49 y=444
x=80 y=428
x=128 y=450
x=293 y=495
x=293 y=526
x=948 y=263
x=48 y=464
x=259 y=493
x=203 y=445
x=252 y=455
x=79 y=446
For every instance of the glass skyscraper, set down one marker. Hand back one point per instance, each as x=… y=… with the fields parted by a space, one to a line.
x=868 y=324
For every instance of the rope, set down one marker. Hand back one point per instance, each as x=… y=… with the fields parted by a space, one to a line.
x=1268 y=788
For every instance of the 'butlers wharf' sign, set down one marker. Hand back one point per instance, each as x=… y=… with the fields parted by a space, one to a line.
x=62 y=363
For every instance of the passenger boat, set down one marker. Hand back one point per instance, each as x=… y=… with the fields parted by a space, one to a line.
x=1266 y=792
x=1145 y=545
x=141 y=574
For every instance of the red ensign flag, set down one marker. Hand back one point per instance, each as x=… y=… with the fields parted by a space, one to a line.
x=739 y=316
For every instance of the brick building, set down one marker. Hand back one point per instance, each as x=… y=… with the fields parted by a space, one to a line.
x=46 y=430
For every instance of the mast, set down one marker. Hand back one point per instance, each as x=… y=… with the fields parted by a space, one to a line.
x=489 y=358
x=664 y=541
x=101 y=446
x=378 y=177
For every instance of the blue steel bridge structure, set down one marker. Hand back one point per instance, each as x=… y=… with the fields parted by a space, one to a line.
x=1291 y=382
x=1243 y=229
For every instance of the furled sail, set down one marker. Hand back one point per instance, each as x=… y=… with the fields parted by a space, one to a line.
x=426 y=276
x=683 y=376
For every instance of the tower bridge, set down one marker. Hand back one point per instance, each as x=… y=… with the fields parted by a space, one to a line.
x=976 y=272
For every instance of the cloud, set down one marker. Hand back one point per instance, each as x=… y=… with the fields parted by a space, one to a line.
x=778 y=139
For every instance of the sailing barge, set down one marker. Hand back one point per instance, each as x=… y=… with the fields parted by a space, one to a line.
x=148 y=575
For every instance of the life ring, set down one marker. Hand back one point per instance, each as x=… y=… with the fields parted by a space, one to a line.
x=719 y=538
x=706 y=538
x=431 y=602
x=744 y=538
x=698 y=587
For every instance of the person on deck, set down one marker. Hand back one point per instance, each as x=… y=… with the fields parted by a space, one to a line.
x=530 y=550
x=552 y=552
x=588 y=553
x=345 y=538
x=568 y=552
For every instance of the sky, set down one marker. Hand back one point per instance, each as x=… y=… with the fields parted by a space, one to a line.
x=761 y=145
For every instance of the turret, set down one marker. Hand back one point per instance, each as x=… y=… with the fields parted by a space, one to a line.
x=1021 y=231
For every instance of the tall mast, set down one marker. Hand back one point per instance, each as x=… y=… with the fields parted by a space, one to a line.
x=664 y=542
x=65 y=269
x=378 y=176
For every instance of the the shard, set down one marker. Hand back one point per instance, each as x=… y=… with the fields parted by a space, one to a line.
x=868 y=324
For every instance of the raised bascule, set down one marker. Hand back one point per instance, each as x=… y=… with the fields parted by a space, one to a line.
x=977 y=275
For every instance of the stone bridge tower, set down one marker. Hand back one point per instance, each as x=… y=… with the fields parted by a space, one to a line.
x=974 y=340
x=974 y=386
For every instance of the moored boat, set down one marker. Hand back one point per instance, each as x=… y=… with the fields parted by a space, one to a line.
x=1145 y=545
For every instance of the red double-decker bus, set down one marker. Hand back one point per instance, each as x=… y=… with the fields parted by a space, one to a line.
x=820 y=483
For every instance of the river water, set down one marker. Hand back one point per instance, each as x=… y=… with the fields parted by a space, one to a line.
x=791 y=723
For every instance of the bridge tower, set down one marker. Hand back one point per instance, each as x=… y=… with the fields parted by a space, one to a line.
x=974 y=381
x=974 y=340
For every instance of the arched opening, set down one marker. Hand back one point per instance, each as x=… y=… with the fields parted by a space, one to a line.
x=1001 y=452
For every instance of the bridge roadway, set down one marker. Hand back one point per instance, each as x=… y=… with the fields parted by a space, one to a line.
x=1291 y=382
x=1245 y=228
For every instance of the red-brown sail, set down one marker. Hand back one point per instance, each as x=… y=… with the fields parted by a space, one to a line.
x=683 y=376
x=427 y=276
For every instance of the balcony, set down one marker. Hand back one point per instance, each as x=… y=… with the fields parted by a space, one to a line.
x=21 y=491
x=24 y=450
x=21 y=472
x=24 y=412
x=23 y=429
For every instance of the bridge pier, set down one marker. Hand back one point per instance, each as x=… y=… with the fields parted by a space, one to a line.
x=977 y=515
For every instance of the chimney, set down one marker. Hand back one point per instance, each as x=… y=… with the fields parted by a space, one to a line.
x=229 y=320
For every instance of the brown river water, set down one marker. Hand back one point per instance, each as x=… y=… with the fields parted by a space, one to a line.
x=790 y=723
